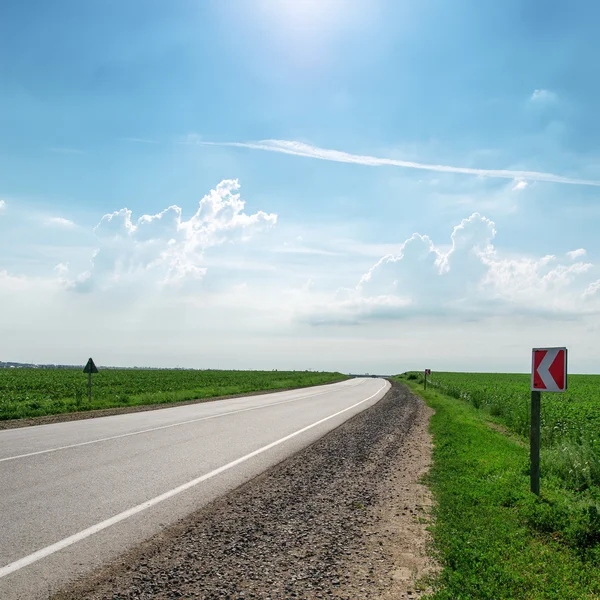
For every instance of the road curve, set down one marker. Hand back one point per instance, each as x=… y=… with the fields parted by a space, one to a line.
x=75 y=495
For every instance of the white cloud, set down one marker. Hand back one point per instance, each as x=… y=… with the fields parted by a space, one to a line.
x=249 y=323
x=574 y=254
x=252 y=328
x=472 y=280
x=306 y=150
x=21 y=284
x=542 y=96
x=60 y=222
x=520 y=184
x=2 y=205
x=592 y=289
x=165 y=246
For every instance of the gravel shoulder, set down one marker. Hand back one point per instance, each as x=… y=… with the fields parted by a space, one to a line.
x=344 y=518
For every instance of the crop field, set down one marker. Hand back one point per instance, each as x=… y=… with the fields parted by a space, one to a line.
x=570 y=420
x=36 y=392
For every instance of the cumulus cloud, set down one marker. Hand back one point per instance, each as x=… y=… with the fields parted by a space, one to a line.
x=470 y=279
x=36 y=287
x=520 y=184
x=165 y=244
x=60 y=222
x=592 y=289
x=62 y=273
x=542 y=96
x=574 y=254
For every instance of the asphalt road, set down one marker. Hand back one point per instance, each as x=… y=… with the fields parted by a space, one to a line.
x=75 y=495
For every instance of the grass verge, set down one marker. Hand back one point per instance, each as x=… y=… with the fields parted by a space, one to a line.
x=494 y=539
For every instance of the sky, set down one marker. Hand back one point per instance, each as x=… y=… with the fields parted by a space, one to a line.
x=355 y=185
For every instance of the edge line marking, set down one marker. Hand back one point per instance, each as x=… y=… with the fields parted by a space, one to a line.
x=151 y=429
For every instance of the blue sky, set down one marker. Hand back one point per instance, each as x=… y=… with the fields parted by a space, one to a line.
x=320 y=136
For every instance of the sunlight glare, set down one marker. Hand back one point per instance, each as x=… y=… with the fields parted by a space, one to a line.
x=301 y=17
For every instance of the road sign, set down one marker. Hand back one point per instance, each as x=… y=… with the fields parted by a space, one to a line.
x=548 y=374
x=427 y=371
x=549 y=370
x=90 y=367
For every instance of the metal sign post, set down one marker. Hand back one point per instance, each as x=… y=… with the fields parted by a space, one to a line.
x=89 y=369
x=548 y=374
x=426 y=372
x=534 y=442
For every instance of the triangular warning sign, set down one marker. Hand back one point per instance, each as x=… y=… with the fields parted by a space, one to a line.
x=90 y=367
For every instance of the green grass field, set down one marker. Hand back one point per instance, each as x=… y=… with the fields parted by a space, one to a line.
x=494 y=538
x=36 y=392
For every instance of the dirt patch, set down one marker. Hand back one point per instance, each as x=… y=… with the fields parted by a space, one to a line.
x=122 y=410
x=398 y=544
x=344 y=518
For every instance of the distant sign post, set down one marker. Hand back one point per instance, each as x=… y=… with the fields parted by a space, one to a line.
x=89 y=369
x=427 y=372
x=548 y=374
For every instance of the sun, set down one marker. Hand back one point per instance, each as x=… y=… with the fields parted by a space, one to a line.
x=303 y=35
x=301 y=11
x=304 y=16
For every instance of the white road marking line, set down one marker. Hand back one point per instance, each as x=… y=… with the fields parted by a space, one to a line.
x=73 y=539
x=123 y=435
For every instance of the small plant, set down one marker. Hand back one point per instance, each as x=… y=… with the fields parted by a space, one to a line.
x=577 y=464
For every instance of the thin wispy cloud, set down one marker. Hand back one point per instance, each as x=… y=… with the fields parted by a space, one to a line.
x=192 y=139
x=543 y=96
x=139 y=140
x=60 y=150
x=308 y=151
x=60 y=222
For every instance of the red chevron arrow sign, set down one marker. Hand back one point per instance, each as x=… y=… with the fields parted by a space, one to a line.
x=549 y=370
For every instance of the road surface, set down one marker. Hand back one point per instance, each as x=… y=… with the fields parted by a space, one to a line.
x=75 y=495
